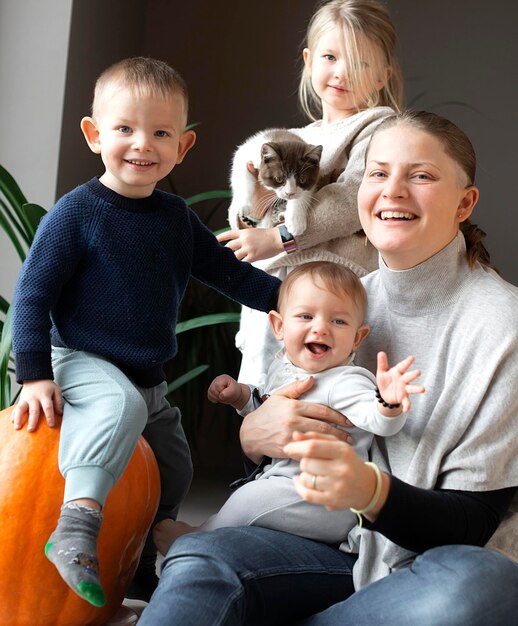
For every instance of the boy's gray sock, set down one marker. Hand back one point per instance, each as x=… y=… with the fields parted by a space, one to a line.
x=72 y=548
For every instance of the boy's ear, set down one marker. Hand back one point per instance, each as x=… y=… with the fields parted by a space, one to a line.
x=91 y=133
x=186 y=142
x=361 y=333
x=276 y=323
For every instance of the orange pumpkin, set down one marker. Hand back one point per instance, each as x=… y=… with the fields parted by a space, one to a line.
x=31 y=490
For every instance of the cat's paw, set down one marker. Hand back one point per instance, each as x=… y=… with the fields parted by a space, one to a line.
x=233 y=215
x=296 y=224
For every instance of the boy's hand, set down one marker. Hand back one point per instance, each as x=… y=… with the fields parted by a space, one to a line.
x=225 y=390
x=393 y=383
x=37 y=396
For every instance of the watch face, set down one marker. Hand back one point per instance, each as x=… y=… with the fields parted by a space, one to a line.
x=287 y=240
x=285 y=234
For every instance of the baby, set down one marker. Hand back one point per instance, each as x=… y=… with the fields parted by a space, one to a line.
x=319 y=319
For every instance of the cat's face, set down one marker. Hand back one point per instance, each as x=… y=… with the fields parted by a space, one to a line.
x=289 y=168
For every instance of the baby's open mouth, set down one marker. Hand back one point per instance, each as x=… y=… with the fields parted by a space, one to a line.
x=317 y=348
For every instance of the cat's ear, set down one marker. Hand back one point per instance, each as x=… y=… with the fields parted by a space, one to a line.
x=91 y=134
x=269 y=151
x=276 y=324
x=185 y=143
x=313 y=153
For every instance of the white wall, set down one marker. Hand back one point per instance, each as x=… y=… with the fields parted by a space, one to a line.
x=33 y=58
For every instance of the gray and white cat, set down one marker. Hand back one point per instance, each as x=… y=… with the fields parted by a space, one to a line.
x=286 y=166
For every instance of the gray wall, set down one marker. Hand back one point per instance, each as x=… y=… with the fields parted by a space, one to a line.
x=241 y=61
x=33 y=58
x=460 y=60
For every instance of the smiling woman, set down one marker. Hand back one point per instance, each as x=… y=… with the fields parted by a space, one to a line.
x=412 y=200
x=447 y=478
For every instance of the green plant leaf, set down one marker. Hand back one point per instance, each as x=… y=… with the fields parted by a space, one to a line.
x=185 y=378
x=4 y=305
x=221 y=230
x=7 y=217
x=16 y=199
x=5 y=351
x=34 y=213
x=207 y=320
x=209 y=195
x=9 y=187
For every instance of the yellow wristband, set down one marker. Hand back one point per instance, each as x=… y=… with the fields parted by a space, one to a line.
x=375 y=497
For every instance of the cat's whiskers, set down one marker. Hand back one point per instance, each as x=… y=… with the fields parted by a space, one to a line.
x=264 y=204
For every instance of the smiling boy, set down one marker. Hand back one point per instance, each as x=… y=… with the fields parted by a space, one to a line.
x=96 y=306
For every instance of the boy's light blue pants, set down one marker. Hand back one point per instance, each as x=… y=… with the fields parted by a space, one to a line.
x=104 y=414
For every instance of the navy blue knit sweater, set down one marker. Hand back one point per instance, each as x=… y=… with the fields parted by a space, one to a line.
x=106 y=274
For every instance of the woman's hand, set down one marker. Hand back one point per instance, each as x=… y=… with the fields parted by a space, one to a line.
x=253 y=244
x=333 y=475
x=265 y=431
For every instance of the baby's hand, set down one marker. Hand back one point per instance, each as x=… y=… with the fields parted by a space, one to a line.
x=393 y=383
x=225 y=390
x=37 y=397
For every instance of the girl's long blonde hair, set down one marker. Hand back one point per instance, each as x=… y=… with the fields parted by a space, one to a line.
x=366 y=30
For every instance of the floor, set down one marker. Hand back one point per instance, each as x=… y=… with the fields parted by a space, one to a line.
x=207 y=494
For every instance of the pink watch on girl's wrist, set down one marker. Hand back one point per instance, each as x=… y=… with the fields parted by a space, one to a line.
x=287 y=239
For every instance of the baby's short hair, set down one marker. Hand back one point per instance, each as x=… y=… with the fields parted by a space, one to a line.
x=335 y=277
x=144 y=76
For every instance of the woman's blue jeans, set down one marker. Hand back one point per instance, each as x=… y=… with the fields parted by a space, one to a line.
x=256 y=576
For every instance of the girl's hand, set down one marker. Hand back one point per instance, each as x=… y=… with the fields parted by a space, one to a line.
x=253 y=244
x=37 y=397
x=226 y=390
x=333 y=475
x=393 y=383
x=265 y=431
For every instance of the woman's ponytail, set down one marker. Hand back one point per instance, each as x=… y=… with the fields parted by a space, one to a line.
x=475 y=249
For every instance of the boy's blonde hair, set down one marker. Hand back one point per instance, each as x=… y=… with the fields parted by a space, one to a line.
x=336 y=278
x=143 y=76
x=368 y=35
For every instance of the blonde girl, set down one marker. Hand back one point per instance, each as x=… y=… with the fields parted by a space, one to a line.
x=350 y=82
